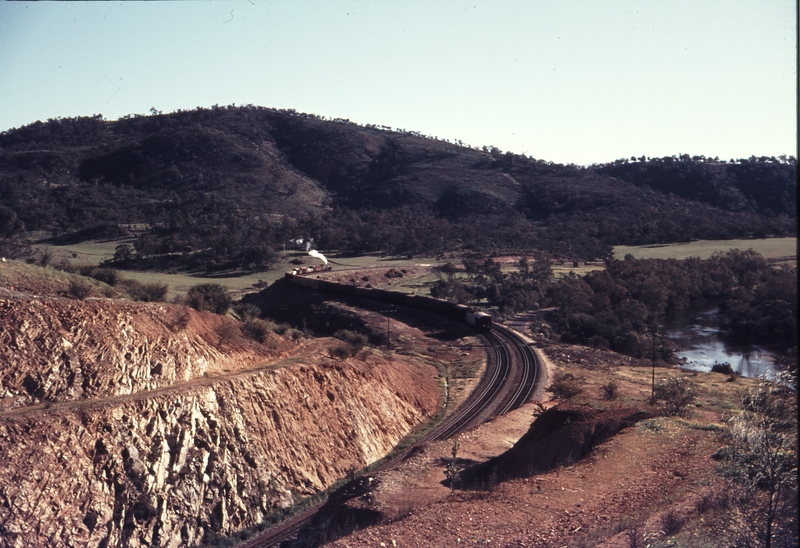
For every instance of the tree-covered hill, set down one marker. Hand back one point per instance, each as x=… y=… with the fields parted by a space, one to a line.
x=222 y=188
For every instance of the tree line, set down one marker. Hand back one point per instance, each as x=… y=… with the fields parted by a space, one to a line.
x=618 y=306
x=224 y=188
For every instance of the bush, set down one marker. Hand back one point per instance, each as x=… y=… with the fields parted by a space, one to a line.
x=610 y=390
x=672 y=522
x=675 y=395
x=212 y=297
x=79 y=289
x=355 y=341
x=256 y=330
x=340 y=352
x=106 y=275
x=760 y=461
x=148 y=293
x=45 y=257
x=723 y=367
x=246 y=311
x=182 y=319
x=227 y=332
x=565 y=386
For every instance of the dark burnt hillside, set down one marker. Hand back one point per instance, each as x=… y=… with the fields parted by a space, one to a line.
x=222 y=188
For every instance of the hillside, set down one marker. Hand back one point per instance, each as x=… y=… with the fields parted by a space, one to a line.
x=588 y=470
x=151 y=424
x=224 y=188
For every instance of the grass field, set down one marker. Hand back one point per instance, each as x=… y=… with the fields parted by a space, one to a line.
x=93 y=253
x=776 y=249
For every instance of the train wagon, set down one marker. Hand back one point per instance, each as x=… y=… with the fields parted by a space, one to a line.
x=479 y=320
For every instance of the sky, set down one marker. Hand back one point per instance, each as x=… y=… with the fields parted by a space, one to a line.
x=568 y=81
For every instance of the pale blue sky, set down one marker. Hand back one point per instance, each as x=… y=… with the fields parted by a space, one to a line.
x=567 y=81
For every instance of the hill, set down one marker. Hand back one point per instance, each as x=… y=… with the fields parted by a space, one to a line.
x=154 y=424
x=224 y=188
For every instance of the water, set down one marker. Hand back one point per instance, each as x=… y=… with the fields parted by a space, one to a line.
x=701 y=344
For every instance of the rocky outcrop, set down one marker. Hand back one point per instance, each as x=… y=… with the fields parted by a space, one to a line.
x=72 y=349
x=166 y=460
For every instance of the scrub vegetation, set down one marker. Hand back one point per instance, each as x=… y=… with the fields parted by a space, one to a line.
x=225 y=189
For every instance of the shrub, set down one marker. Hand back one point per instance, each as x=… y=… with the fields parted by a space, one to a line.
x=672 y=522
x=148 y=293
x=760 y=461
x=256 y=330
x=65 y=266
x=356 y=341
x=723 y=367
x=45 y=257
x=182 y=319
x=212 y=297
x=675 y=395
x=246 y=311
x=610 y=390
x=340 y=352
x=106 y=275
x=79 y=289
x=227 y=332
x=565 y=386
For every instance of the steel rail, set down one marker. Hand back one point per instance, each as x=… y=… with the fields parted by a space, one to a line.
x=492 y=381
x=479 y=401
x=491 y=385
x=530 y=370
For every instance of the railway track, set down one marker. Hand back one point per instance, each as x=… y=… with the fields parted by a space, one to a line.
x=509 y=381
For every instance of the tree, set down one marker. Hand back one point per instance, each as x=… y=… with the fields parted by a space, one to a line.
x=761 y=460
x=123 y=252
x=452 y=471
x=211 y=297
x=10 y=228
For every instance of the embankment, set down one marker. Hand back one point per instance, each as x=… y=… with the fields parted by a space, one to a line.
x=125 y=424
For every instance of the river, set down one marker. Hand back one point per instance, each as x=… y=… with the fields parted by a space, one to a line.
x=701 y=344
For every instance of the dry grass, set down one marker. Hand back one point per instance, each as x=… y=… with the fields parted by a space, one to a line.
x=771 y=248
x=93 y=253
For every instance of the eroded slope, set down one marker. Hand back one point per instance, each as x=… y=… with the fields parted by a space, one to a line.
x=121 y=427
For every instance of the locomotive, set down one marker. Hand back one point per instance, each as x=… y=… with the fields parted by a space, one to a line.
x=479 y=320
x=309 y=269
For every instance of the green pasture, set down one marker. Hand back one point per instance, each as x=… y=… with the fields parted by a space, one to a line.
x=93 y=253
x=84 y=253
x=775 y=249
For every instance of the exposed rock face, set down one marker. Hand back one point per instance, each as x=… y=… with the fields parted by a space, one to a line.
x=148 y=451
x=65 y=349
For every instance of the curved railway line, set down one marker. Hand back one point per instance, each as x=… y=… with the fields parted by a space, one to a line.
x=512 y=377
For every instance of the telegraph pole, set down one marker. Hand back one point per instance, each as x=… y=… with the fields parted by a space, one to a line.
x=653 y=382
x=388 y=327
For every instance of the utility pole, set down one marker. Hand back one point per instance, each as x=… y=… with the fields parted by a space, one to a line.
x=388 y=327
x=653 y=382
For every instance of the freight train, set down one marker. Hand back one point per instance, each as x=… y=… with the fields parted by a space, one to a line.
x=480 y=320
x=308 y=270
